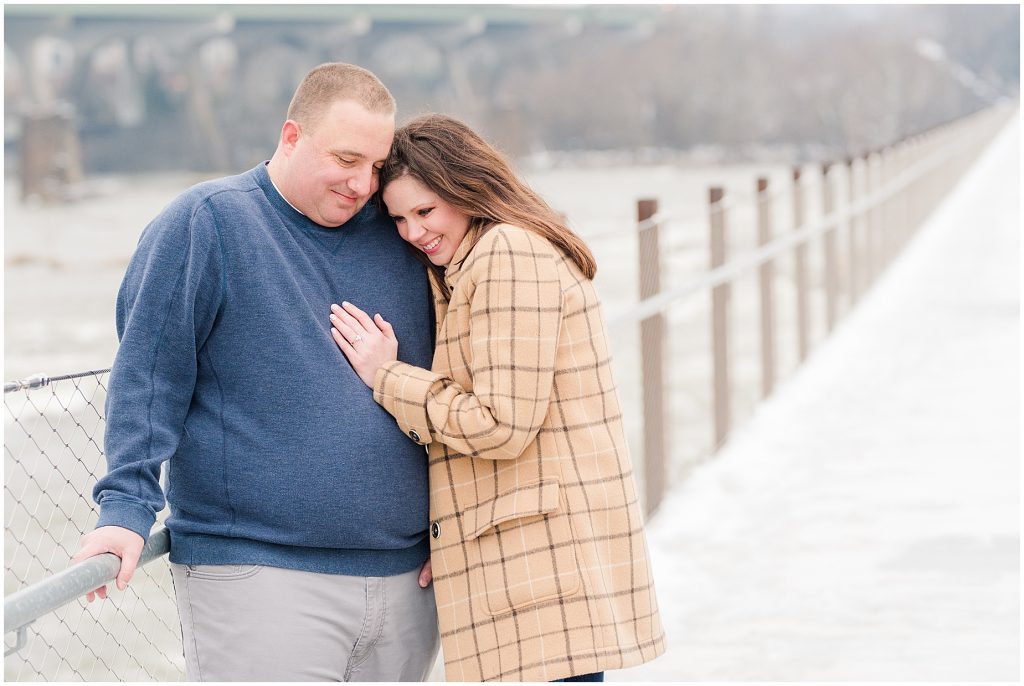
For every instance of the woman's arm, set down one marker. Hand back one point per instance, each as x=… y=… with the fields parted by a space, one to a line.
x=515 y=312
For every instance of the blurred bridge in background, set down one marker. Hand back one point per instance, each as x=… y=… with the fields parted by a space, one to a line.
x=206 y=86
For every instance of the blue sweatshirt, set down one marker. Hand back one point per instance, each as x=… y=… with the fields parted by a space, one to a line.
x=278 y=454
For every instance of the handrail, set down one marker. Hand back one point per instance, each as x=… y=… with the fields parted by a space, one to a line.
x=736 y=198
x=29 y=604
x=41 y=380
x=752 y=259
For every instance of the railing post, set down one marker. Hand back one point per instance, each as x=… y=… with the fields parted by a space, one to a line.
x=909 y=193
x=935 y=190
x=800 y=267
x=896 y=224
x=916 y=213
x=766 y=274
x=51 y=159
x=885 y=165
x=853 y=229
x=719 y=319
x=652 y=336
x=829 y=247
x=870 y=220
x=903 y=230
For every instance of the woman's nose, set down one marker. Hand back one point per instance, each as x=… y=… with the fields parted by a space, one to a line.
x=415 y=231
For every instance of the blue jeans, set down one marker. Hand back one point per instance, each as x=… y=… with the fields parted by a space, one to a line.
x=596 y=676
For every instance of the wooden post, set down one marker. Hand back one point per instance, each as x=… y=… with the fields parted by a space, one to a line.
x=50 y=158
x=719 y=319
x=907 y=205
x=886 y=224
x=913 y=145
x=896 y=225
x=829 y=246
x=853 y=230
x=652 y=336
x=870 y=220
x=766 y=273
x=800 y=267
x=899 y=224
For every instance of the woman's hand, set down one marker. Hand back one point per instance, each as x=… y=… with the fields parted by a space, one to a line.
x=426 y=574
x=367 y=343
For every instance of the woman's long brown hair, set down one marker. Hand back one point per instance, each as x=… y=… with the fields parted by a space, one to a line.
x=454 y=162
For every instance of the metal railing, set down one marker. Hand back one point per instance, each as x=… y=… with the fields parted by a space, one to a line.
x=867 y=210
x=785 y=263
x=53 y=436
x=29 y=604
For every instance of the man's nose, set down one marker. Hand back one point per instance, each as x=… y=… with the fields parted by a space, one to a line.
x=361 y=183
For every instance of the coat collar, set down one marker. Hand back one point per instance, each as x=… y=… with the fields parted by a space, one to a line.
x=451 y=272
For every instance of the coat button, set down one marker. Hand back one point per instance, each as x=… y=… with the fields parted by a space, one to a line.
x=435 y=530
x=414 y=436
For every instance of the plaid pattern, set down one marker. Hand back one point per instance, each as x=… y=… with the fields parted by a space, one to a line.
x=539 y=558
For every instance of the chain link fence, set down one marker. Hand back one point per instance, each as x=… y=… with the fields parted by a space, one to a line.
x=53 y=454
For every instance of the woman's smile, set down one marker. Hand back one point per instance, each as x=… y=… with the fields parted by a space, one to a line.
x=431 y=247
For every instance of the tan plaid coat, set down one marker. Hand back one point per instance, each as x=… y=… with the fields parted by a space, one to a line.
x=539 y=558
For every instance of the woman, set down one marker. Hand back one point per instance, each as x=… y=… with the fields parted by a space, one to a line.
x=537 y=548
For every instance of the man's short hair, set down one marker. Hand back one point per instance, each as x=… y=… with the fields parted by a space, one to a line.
x=334 y=81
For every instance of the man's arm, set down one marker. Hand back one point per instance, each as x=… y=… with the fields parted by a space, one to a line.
x=165 y=310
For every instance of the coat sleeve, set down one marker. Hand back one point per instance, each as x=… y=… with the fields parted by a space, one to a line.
x=515 y=316
x=166 y=308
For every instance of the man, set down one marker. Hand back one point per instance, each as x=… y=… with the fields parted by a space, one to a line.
x=298 y=508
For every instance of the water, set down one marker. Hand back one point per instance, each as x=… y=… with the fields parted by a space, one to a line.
x=63 y=263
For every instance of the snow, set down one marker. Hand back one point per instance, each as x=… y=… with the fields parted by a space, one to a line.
x=864 y=525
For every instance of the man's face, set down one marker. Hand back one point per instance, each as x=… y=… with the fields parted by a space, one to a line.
x=333 y=164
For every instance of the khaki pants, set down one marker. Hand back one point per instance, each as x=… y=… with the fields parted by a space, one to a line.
x=254 y=623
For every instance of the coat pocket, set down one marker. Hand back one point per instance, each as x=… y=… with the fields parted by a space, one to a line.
x=522 y=546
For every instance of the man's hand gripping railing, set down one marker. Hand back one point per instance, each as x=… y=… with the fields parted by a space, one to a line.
x=29 y=604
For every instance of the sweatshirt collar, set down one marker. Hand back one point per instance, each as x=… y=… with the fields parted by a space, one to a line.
x=271 y=179
x=330 y=237
x=287 y=210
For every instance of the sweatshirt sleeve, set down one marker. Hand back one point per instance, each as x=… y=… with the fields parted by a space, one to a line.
x=166 y=308
x=515 y=317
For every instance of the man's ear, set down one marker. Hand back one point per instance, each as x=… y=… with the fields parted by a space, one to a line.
x=290 y=135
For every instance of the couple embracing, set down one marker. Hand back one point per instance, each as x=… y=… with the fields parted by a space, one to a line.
x=377 y=370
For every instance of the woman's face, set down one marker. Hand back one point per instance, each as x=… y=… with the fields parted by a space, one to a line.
x=425 y=220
